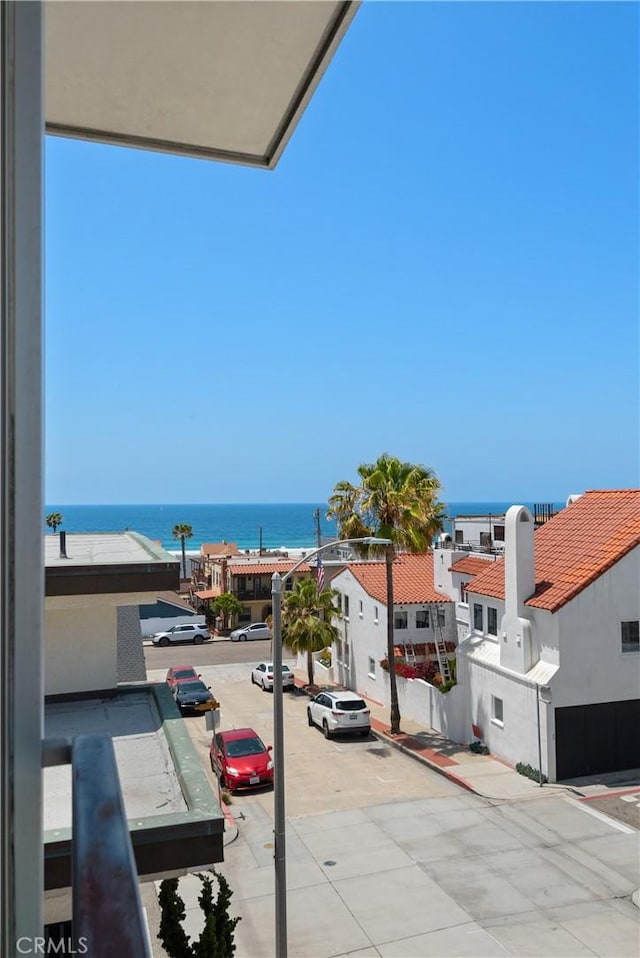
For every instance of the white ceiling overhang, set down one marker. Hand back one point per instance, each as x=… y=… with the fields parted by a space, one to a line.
x=220 y=80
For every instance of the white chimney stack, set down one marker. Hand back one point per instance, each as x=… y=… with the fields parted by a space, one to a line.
x=519 y=585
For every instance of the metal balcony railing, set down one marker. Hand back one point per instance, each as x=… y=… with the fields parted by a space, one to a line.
x=107 y=914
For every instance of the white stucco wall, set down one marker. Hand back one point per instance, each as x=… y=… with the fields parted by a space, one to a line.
x=516 y=738
x=80 y=640
x=365 y=635
x=593 y=667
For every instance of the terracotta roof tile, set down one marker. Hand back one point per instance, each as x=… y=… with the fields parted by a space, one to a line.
x=471 y=565
x=221 y=549
x=262 y=568
x=575 y=547
x=412 y=579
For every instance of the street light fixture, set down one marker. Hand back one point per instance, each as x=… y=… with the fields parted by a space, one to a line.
x=279 y=822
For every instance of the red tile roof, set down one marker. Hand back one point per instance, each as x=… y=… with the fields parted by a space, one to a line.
x=262 y=568
x=575 y=547
x=412 y=579
x=221 y=549
x=471 y=565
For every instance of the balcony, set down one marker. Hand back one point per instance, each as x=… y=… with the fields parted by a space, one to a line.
x=135 y=806
x=246 y=595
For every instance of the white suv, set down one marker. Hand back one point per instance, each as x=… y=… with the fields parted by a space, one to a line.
x=338 y=711
x=182 y=633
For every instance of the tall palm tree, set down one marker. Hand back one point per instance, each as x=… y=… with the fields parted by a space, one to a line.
x=307 y=619
x=182 y=531
x=53 y=520
x=395 y=500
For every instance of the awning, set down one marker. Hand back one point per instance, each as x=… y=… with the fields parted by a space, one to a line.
x=223 y=80
x=206 y=594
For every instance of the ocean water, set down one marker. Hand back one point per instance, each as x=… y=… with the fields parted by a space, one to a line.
x=282 y=524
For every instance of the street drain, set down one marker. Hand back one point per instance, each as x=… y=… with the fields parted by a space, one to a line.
x=329 y=863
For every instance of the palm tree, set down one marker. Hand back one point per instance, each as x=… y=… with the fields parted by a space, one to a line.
x=395 y=500
x=53 y=520
x=307 y=619
x=182 y=531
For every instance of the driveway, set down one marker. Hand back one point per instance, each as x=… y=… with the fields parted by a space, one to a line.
x=387 y=858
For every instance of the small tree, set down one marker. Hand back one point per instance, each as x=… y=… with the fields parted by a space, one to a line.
x=182 y=531
x=227 y=606
x=53 y=520
x=217 y=937
x=175 y=940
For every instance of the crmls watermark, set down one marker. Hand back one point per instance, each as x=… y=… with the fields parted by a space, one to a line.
x=49 y=946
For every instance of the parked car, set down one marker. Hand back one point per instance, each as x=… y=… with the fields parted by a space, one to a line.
x=263 y=675
x=181 y=673
x=240 y=759
x=194 y=696
x=257 y=630
x=182 y=633
x=338 y=712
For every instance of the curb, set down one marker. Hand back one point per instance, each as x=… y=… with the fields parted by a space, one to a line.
x=384 y=735
x=233 y=825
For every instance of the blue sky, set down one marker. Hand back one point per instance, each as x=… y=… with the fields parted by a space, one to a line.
x=443 y=266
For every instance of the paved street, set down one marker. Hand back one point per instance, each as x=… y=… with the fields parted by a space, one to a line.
x=215 y=652
x=388 y=858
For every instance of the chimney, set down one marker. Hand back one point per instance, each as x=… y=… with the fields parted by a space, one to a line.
x=63 y=545
x=516 y=645
x=519 y=576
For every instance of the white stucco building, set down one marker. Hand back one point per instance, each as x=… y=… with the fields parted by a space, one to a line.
x=557 y=620
x=420 y=613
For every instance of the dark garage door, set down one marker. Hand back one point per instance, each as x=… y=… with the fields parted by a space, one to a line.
x=591 y=739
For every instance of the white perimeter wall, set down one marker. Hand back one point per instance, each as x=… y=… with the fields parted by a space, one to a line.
x=515 y=739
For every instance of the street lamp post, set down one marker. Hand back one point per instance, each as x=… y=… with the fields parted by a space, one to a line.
x=279 y=821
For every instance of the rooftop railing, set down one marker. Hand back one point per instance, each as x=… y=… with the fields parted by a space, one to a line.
x=107 y=915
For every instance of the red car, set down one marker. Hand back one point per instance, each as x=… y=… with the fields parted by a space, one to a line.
x=181 y=673
x=240 y=759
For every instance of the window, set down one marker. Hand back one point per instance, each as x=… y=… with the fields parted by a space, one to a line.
x=288 y=585
x=375 y=613
x=630 y=637
x=346 y=606
x=339 y=600
x=497 y=710
x=498 y=533
x=244 y=615
x=478 y=617
x=361 y=613
x=422 y=619
x=400 y=620
x=459 y=539
x=492 y=620
x=463 y=592
x=442 y=618
x=372 y=668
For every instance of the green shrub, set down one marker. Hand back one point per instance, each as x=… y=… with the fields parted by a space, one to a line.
x=324 y=658
x=529 y=772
